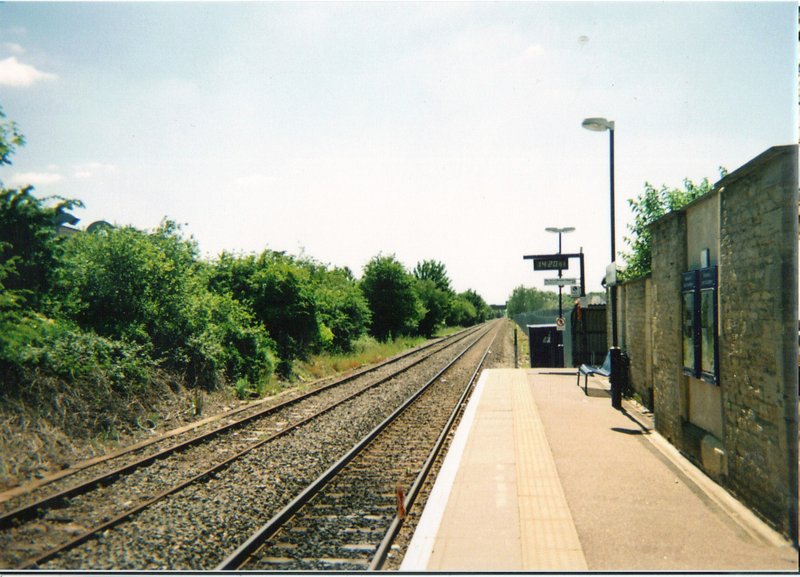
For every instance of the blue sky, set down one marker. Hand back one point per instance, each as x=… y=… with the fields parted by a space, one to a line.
x=446 y=131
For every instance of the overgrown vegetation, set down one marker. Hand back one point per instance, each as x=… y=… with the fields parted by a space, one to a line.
x=648 y=207
x=96 y=327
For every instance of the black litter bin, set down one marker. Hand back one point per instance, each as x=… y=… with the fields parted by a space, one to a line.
x=546 y=345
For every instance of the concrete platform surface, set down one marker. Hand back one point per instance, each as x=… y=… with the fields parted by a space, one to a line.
x=541 y=477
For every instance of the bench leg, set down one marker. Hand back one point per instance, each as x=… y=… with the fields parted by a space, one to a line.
x=586 y=385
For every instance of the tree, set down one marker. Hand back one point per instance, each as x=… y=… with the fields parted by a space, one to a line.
x=462 y=313
x=148 y=288
x=433 y=288
x=437 y=304
x=433 y=271
x=10 y=138
x=342 y=307
x=524 y=299
x=280 y=293
x=27 y=231
x=483 y=312
x=648 y=207
x=392 y=298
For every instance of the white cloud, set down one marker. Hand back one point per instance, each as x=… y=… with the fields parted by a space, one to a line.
x=14 y=73
x=35 y=178
x=83 y=174
x=14 y=48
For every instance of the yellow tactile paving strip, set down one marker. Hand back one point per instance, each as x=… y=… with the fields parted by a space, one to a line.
x=506 y=510
x=549 y=541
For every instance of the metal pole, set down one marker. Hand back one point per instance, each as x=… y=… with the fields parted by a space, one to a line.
x=613 y=250
x=616 y=365
x=559 y=276
x=515 y=347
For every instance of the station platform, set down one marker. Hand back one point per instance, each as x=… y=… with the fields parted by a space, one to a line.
x=542 y=477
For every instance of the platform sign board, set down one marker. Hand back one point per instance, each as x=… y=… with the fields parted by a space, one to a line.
x=574 y=291
x=560 y=281
x=561 y=323
x=550 y=262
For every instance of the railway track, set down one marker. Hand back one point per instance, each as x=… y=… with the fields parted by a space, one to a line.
x=348 y=517
x=48 y=527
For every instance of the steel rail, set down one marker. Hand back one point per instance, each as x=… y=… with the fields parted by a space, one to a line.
x=96 y=461
x=37 y=561
x=245 y=551
x=29 y=511
x=383 y=549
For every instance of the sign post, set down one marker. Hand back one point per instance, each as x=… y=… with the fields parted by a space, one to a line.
x=560 y=262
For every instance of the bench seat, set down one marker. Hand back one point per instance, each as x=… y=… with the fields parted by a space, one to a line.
x=586 y=370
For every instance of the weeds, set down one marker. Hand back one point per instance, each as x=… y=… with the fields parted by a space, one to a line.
x=366 y=351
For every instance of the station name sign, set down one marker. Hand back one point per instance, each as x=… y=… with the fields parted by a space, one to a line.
x=550 y=262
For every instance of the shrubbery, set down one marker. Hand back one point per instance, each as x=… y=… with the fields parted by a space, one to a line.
x=392 y=297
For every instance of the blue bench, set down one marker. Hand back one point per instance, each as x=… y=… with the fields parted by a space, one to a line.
x=586 y=370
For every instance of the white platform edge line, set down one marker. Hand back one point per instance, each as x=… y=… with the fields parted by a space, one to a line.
x=421 y=547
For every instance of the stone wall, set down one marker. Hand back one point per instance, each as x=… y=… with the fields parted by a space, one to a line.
x=668 y=264
x=758 y=332
x=743 y=430
x=635 y=335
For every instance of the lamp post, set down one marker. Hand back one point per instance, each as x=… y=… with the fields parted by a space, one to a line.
x=600 y=125
x=560 y=231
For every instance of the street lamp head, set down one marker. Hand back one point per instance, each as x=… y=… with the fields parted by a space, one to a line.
x=598 y=124
x=560 y=230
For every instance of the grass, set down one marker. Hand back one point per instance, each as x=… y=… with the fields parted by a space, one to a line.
x=367 y=351
x=523 y=352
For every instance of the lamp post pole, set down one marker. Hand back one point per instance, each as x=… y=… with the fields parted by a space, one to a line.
x=614 y=340
x=600 y=125
x=560 y=231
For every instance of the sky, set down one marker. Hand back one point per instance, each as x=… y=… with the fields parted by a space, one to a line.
x=447 y=131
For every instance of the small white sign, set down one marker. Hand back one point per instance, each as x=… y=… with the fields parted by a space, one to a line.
x=611 y=274
x=560 y=323
x=560 y=281
x=574 y=291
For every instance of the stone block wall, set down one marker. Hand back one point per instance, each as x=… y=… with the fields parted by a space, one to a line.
x=758 y=332
x=669 y=262
x=750 y=224
x=635 y=332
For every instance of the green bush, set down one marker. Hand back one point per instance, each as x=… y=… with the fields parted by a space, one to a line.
x=342 y=308
x=28 y=238
x=437 y=304
x=226 y=340
x=37 y=343
x=280 y=293
x=148 y=288
x=462 y=313
x=392 y=298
